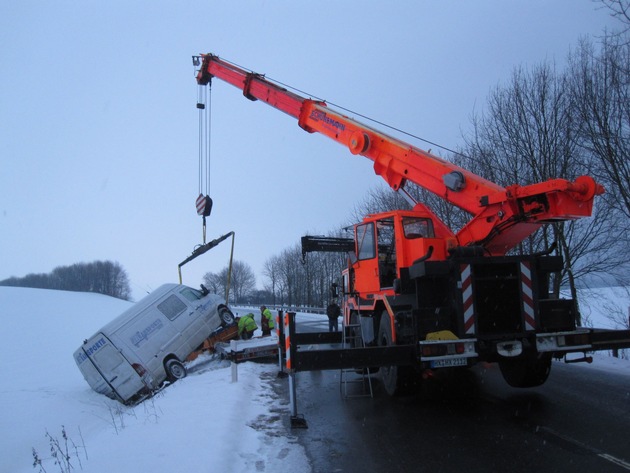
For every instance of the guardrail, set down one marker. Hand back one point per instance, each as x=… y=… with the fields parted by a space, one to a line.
x=283 y=308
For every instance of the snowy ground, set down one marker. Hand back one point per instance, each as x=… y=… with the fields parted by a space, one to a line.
x=203 y=423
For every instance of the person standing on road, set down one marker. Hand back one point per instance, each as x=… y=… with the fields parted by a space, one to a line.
x=266 y=321
x=246 y=326
x=333 y=311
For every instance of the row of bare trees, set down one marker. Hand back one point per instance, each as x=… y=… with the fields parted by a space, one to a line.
x=546 y=122
x=543 y=124
x=104 y=277
x=237 y=283
x=290 y=280
x=297 y=280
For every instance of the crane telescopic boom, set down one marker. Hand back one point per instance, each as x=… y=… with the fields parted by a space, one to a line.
x=418 y=297
x=501 y=216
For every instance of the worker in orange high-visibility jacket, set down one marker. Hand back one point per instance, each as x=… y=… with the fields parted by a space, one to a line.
x=246 y=326
x=266 y=320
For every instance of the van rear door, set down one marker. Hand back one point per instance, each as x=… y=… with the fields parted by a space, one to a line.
x=114 y=370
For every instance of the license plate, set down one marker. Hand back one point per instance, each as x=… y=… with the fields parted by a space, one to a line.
x=447 y=363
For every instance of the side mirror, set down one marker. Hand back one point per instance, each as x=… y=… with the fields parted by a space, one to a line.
x=397 y=286
x=334 y=291
x=352 y=256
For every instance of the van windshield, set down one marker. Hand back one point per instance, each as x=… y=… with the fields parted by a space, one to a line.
x=191 y=294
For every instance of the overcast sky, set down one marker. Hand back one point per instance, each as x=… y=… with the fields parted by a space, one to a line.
x=99 y=129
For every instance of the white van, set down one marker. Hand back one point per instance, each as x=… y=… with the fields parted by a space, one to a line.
x=135 y=353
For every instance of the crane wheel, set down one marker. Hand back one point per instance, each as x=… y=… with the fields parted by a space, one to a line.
x=527 y=371
x=397 y=380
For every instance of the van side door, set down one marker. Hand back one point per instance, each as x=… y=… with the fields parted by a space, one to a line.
x=185 y=318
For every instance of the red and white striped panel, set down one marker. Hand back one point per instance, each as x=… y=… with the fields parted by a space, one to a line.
x=287 y=342
x=527 y=296
x=467 y=298
x=200 y=204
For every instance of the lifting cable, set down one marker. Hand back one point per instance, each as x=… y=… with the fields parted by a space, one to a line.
x=365 y=117
x=204 y=202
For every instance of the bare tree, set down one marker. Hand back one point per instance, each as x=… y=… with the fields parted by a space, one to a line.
x=542 y=125
x=378 y=199
x=530 y=133
x=601 y=88
x=271 y=270
x=292 y=275
x=241 y=280
x=214 y=283
x=619 y=9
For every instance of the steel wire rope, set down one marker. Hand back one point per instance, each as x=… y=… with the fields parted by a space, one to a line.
x=204 y=101
x=200 y=107
x=208 y=137
x=393 y=128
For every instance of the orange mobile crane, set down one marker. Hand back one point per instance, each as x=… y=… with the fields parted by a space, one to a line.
x=440 y=298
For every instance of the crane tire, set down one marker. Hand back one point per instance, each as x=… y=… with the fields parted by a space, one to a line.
x=397 y=380
x=526 y=372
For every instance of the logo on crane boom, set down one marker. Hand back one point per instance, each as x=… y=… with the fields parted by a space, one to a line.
x=320 y=116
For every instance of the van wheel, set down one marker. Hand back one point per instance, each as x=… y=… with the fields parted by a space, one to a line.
x=227 y=318
x=174 y=370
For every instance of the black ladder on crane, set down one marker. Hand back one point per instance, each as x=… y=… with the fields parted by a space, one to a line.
x=352 y=337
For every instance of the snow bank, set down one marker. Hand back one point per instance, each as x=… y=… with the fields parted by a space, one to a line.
x=202 y=423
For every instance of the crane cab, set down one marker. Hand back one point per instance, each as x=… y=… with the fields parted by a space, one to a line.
x=388 y=241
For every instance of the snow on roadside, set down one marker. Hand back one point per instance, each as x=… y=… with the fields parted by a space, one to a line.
x=204 y=422
x=605 y=307
x=201 y=423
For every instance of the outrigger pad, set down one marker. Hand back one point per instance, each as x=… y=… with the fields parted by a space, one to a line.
x=298 y=422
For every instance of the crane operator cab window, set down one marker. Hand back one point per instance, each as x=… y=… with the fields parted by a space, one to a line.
x=419 y=238
x=417 y=228
x=365 y=241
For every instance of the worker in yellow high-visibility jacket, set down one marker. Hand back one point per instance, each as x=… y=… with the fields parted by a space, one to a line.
x=246 y=326
x=266 y=321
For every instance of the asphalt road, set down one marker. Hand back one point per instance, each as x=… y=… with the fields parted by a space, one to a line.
x=472 y=421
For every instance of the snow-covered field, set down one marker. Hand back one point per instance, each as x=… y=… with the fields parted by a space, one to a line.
x=203 y=423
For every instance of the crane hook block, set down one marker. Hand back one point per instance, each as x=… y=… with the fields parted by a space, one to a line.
x=204 y=205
